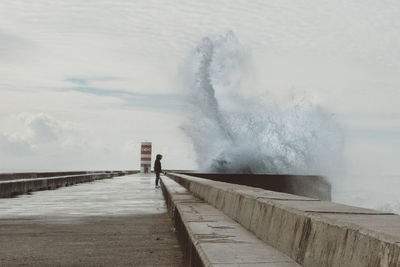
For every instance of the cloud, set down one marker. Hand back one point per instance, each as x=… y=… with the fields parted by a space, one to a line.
x=104 y=140
x=166 y=101
x=13 y=47
x=32 y=132
x=45 y=128
x=41 y=141
x=85 y=81
x=14 y=147
x=112 y=67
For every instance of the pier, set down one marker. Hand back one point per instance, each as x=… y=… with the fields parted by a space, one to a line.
x=191 y=220
x=112 y=222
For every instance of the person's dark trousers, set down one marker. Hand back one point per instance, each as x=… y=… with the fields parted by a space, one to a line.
x=157 y=178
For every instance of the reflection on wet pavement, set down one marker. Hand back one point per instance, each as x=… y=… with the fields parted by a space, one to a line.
x=125 y=195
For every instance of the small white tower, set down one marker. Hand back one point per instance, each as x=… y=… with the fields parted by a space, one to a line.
x=145 y=157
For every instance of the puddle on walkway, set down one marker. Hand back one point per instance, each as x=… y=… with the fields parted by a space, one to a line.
x=125 y=195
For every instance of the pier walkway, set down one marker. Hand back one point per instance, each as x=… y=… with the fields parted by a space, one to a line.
x=114 y=222
x=126 y=221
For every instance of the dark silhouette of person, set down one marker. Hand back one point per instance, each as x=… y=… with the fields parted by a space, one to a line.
x=157 y=167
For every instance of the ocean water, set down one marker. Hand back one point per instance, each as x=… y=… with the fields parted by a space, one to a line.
x=368 y=191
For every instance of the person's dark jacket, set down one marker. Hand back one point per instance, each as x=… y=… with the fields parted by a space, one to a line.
x=157 y=166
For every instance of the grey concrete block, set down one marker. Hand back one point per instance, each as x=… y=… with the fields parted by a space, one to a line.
x=210 y=238
x=311 y=232
x=16 y=186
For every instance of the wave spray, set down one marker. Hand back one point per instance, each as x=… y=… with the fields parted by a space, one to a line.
x=234 y=131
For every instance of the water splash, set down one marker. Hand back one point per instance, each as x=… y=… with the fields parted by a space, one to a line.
x=235 y=133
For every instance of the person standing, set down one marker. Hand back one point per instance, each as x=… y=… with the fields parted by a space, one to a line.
x=157 y=167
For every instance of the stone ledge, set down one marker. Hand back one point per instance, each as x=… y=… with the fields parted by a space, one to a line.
x=311 y=232
x=23 y=186
x=210 y=238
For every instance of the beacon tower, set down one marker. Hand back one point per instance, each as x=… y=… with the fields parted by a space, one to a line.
x=145 y=157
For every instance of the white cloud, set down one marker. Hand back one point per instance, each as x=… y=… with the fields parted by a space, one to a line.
x=13 y=146
x=30 y=132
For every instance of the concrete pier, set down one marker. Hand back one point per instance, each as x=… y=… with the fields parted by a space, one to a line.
x=309 y=231
x=210 y=238
x=17 y=184
x=113 y=222
x=124 y=221
x=303 y=185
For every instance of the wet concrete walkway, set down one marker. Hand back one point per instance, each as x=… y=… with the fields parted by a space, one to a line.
x=115 y=222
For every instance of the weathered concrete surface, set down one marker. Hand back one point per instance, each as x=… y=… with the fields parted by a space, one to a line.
x=15 y=187
x=141 y=240
x=303 y=185
x=312 y=232
x=31 y=175
x=120 y=196
x=210 y=238
x=113 y=222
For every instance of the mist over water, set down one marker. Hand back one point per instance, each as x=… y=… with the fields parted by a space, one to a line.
x=234 y=131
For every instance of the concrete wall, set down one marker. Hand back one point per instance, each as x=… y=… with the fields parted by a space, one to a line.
x=22 y=186
x=210 y=238
x=304 y=185
x=173 y=196
x=310 y=231
x=31 y=175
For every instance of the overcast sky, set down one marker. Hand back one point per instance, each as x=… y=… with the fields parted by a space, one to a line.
x=84 y=82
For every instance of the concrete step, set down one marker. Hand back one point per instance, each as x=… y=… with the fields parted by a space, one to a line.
x=210 y=238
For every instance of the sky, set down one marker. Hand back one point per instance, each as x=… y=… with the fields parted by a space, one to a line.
x=84 y=82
